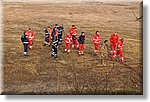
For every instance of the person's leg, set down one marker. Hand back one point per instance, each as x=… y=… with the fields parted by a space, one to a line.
x=52 y=51
x=77 y=44
x=115 y=54
x=79 y=51
x=65 y=47
x=30 y=44
x=61 y=37
x=55 y=56
x=122 y=56
x=97 y=46
x=68 y=45
x=25 y=49
x=82 y=48
x=73 y=43
x=114 y=48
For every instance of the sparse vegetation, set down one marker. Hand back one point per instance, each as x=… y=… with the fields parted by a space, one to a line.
x=71 y=74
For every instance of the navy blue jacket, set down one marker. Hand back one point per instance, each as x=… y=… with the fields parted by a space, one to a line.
x=60 y=29
x=81 y=39
x=24 y=39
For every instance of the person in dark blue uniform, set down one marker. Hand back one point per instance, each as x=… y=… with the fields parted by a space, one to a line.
x=24 y=39
x=55 y=29
x=47 y=32
x=60 y=33
x=54 y=48
x=46 y=40
x=81 y=40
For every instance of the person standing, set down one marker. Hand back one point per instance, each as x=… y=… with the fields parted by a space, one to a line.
x=24 y=40
x=72 y=29
x=104 y=52
x=48 y=33
x=68 y=40
x=96 y=41
x=30 y=35
x=81 y=41
x=54 y=48
x=60 y=33
x=75 y=38
x=113 y=43
x=120 y=50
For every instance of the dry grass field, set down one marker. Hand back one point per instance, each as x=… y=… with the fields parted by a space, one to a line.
x=71 y=74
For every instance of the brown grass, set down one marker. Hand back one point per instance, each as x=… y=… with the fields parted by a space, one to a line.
x=40 y=74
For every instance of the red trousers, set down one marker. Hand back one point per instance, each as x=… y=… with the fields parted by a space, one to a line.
x=30 y=43
x=67 y=47
x=119 y=52
x=113 y=46
x=96 y=45
x=75 y=43
x=81 y=48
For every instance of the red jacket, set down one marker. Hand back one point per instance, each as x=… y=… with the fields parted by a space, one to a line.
x=114 y=39
x=30 y=35
x=68 y=38
x=120 y=45
x=96 y=38
x=72 y=31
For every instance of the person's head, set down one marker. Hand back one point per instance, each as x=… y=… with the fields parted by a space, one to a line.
x=106 y=42
x=49 y=27
x=115 y=33
x=29 y=29
x=61 y=25
x=121 y=39
x=97 y=32
x=82 y=33
x=56 y=25
x=73 y=26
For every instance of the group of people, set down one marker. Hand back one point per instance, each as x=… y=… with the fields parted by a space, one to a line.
x=27 y=40
x=53 y=38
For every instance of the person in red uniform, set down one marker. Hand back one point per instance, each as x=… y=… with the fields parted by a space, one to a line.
x=75 y=40
x=30 y=35
x=68 y=40
x=81 y=41
x=113 y=43
x=73 y=32
x=72 y=29
x=96 y=41
x=119 y=50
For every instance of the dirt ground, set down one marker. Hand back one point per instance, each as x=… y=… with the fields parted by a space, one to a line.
x=71 y=74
